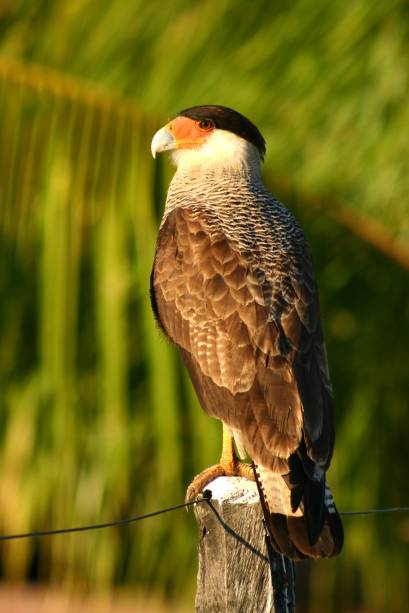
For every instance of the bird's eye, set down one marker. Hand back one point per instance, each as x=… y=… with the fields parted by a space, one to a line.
x=206 y=124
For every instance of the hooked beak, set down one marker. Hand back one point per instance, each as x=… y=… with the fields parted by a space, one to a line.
x=162 y=141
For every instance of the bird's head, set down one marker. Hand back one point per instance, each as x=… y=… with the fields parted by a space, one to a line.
x=210 y=136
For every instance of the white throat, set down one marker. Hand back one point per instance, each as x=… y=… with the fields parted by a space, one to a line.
x=222 y=150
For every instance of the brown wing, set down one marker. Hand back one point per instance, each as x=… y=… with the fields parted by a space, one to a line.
x=251 y=339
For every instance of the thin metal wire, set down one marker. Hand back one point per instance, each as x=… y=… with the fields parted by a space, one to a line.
x=233 y=533
x=376 y=511
x=281 y=580
x=131 y=520
x=111 y=524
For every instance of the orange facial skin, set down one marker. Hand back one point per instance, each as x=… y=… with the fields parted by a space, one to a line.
x=188 y=132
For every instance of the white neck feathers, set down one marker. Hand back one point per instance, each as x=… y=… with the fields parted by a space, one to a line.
x=222 y=151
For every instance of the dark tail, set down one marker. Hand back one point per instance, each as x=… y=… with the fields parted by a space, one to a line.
x=304 y=521
x=291 y=536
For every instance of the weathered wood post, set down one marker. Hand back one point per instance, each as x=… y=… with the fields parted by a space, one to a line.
x=234 y=572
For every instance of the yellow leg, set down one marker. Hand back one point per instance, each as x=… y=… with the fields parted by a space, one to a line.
x=229 y=466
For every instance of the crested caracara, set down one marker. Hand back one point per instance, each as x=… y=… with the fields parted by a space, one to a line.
x=233 y=287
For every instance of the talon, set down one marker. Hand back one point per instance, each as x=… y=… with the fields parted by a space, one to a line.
x=202 y=479
x=229 y=466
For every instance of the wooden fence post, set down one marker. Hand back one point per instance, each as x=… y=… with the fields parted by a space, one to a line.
x=234 y=573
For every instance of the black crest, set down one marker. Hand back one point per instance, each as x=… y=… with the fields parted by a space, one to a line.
x=227 y=119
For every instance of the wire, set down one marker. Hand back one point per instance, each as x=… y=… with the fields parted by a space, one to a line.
x=111 y=524
x=206 y=498
x=233 y=533
x=376 y=511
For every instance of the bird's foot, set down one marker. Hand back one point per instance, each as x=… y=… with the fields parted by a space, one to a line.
x=235 y=468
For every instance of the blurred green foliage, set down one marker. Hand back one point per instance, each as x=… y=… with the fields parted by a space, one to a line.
x=97 y=418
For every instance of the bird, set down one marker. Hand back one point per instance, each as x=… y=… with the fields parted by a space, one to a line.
x=233 y=287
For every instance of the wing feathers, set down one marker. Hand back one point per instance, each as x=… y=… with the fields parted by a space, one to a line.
x=251 y=338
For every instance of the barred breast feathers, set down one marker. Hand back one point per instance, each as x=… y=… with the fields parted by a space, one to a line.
x=239 y=206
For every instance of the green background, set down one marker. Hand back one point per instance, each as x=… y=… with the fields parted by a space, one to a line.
x=97 y=418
